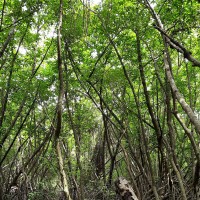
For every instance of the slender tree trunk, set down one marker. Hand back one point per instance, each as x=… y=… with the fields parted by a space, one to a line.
x=62 y=171
x=59 y=108
x=2 y=14
x=9 y=38
x=188 y=110
x=128 y=164
x=77 y=145
x=18 y=113
x=180 y=181
x=5 y=99
x=18 y=131
x=39 y=148
x=153 y=118
x=2 y=182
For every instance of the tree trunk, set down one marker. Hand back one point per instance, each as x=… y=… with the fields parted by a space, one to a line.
x=59 y=108
x=62 y=171
x=124 y=190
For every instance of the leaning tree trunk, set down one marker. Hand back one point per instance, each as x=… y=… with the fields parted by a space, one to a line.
x=124 y=190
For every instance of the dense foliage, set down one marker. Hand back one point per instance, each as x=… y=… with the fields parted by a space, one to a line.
x=90 y=92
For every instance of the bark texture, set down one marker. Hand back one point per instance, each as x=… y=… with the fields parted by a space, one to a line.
x=124 y=190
